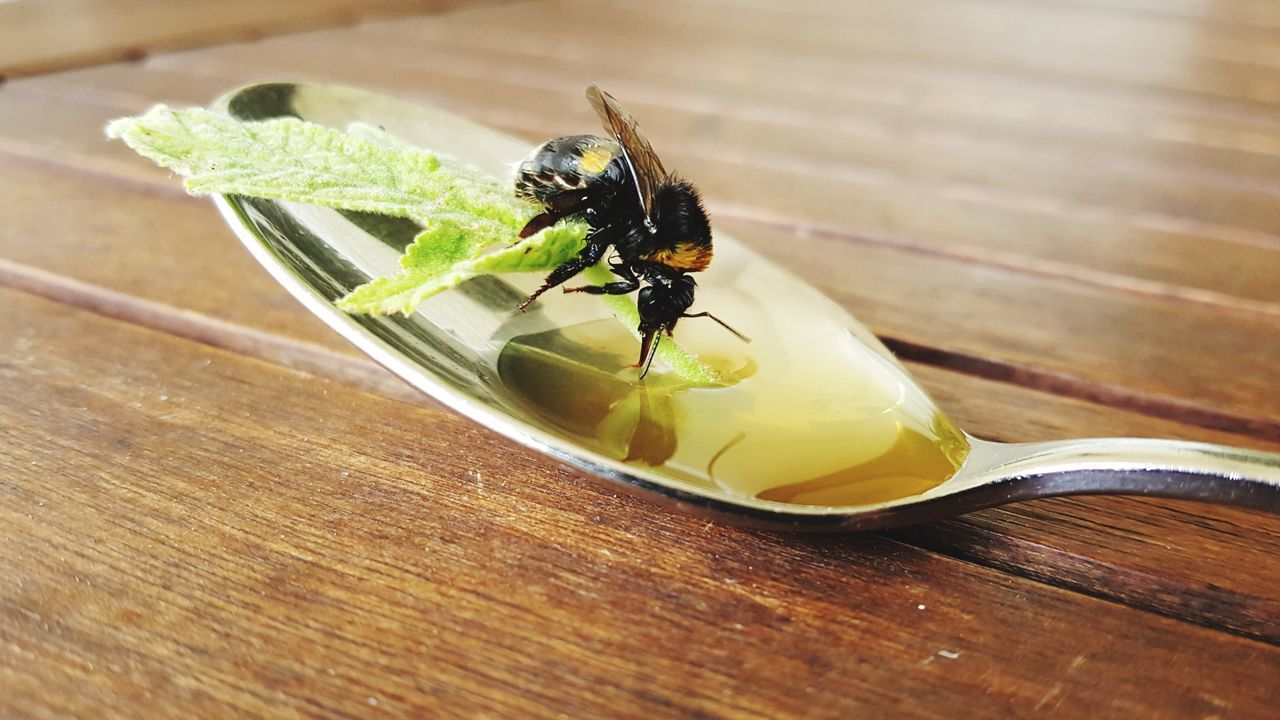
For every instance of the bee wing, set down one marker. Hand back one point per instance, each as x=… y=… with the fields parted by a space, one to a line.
x=645 y=166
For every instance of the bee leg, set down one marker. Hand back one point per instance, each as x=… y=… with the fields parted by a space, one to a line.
x=544 y=220
x=613 y=288
x=560 y=209
x=629 y=283
x=589 y=256
x=538 y=222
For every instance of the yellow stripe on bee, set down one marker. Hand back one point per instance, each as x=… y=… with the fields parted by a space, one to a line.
x=595 y=160
x=684 y=256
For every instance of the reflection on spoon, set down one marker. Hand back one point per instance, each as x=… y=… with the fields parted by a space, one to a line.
x=859 y=440
x=589 y=392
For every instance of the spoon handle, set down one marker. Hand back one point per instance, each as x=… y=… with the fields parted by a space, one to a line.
x=1128 y=466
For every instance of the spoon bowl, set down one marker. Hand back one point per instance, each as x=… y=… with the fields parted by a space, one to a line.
x=817 y=426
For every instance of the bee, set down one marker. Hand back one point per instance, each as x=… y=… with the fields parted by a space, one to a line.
x=653 y=220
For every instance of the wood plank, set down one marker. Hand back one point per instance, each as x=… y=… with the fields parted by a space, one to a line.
x=201 y=268
x=1244 y=13
x=1118 y=132
x=39 y=37
x=145 y=242
x=794 y=85
x=252 y=552
x=945 y=90
x=1159 y=555
x=1040 y=42
x=1234 y=14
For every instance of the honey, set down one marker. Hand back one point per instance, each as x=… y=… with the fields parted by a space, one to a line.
x=837 y=425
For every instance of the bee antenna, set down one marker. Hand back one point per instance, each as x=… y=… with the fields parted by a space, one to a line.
x=723 y=324
x=653 y=354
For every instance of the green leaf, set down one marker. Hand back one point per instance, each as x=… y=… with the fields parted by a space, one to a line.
x=427 y=273
x=289 y=159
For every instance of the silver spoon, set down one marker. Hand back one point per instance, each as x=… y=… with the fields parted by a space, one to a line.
x=821 y=427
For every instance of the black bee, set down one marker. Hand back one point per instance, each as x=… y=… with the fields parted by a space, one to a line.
x=653 y=220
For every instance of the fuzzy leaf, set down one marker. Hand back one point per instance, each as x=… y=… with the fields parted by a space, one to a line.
x=427 y=273
x=289 y=159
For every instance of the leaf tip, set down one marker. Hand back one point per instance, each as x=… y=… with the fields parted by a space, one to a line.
x=116 y=129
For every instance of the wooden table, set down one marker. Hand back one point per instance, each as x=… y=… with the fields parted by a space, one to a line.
x=1064 y=214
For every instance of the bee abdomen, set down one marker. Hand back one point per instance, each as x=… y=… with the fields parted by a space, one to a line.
x=567 y=164
x=534 y=182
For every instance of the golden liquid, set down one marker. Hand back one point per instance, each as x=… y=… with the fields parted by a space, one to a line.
x=835 y=425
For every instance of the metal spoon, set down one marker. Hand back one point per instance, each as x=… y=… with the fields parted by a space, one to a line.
x=818 y=394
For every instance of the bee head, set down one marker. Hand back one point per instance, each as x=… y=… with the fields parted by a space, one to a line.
x=661 y=305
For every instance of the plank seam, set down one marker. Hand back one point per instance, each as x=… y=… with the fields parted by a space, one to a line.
x=1023 y=264
x=1098 y=393
x=1150 y=602
x=182 y=41
x=198 y=327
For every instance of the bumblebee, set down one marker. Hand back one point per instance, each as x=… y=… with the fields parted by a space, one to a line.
x=653 y=220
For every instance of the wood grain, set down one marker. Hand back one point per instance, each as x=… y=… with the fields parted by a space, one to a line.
x=39 y=37
x=250 y=554
x=1163 y=556
x=1233 y=14
x=146 y=242
x=1065 y=209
